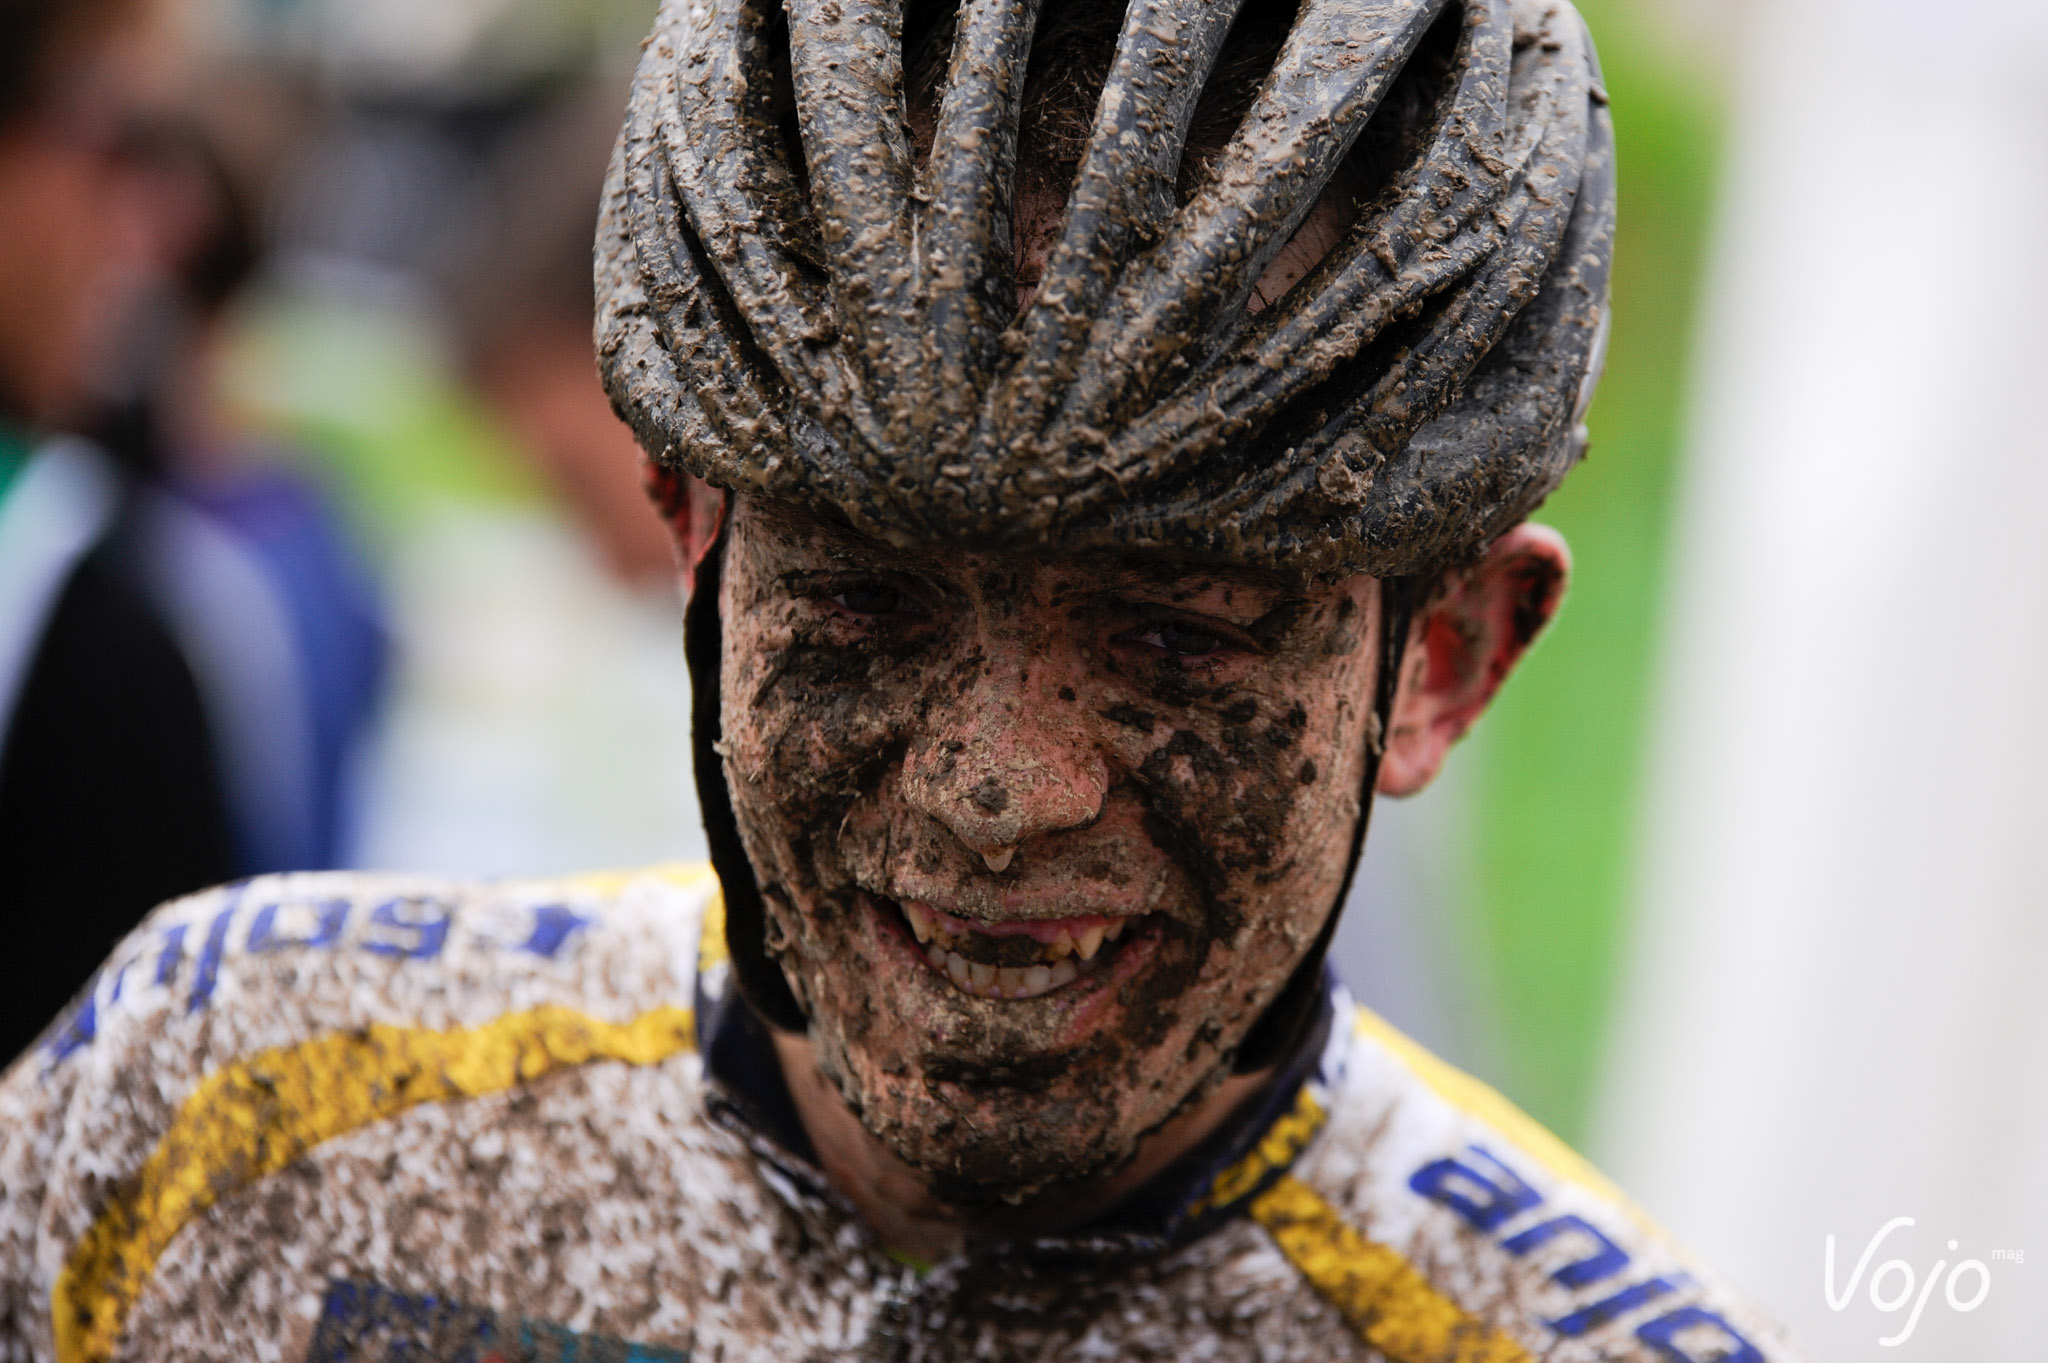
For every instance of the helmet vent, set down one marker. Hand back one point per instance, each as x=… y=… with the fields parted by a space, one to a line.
x=1249 y=51
x=1392 y=139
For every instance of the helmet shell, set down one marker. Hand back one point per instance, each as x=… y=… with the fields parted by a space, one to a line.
x=834 y=318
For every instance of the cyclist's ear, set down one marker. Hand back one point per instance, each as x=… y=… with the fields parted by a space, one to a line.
x=1464 y=641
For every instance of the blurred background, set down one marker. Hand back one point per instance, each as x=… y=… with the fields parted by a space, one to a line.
x=319 y=546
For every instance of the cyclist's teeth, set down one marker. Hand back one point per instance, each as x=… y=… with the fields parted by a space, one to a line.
x=928 y=926
x=1059 y=960
x=1002 y=981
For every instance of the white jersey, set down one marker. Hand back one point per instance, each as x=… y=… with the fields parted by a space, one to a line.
x=367 y=1117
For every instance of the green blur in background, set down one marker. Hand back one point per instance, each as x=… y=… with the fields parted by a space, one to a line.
x=1551 y=810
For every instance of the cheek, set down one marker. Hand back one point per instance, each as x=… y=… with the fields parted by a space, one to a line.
x=1263 y=809
x=1328 y=764
x=1240 y=789
x=805 y=719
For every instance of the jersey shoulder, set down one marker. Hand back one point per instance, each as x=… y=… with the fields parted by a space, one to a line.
x=1430 y=1203
x=239 y=1029
x=331 y=990
x=277 y=959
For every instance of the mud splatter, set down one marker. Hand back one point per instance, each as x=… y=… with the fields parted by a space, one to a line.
x=879 y=755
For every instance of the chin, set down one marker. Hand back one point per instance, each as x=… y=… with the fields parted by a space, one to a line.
x=999 y=1083
x=981 y=1149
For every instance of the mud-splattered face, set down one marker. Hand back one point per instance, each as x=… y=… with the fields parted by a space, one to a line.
x=1039 y=840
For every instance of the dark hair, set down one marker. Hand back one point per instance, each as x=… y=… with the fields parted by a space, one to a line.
x=1073 y=46
x=33 y=34
x=1072 y=49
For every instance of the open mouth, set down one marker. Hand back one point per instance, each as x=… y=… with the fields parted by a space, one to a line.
x=1014 y=960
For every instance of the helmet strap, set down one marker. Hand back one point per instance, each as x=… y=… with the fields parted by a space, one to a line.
x=759 y=978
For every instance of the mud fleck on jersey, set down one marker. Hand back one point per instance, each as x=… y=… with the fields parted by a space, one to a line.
x=355 y=1118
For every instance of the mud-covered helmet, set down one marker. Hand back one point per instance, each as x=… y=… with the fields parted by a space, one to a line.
x=806 y=291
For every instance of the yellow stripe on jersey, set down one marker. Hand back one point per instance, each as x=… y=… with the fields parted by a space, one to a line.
x=683 y=875
x=1381 y=1296
x=1283 y=1142
x=257 y=1116
x=1392 y=1307
x=1476 y=1099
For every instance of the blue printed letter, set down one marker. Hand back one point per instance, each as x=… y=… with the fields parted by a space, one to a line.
x=429 y=930
x=1605 y=1261
x=1485 y=1200
x=1662 y=1334
x=330 y=915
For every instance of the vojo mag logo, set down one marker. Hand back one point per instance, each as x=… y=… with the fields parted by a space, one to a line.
x=1896 y=1286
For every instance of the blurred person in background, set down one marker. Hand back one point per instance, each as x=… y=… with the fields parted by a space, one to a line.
x=541 y=722
x=267 y=592
x=110 y=794
x=296 y=731
x=521 y=302
x=421 y=332
x=186 y=653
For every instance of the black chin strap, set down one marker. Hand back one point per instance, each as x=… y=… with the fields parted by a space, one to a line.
x=760 y=979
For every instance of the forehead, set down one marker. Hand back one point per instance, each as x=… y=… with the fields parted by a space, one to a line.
x=799 y=536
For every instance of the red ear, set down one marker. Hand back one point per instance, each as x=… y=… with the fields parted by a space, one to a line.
x=1464 y=642
x=694 y=510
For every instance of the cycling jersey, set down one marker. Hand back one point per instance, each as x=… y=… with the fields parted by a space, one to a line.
x=371 y=1117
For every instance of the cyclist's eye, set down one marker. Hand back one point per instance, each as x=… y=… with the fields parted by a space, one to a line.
x=1183 y=641
x=873 y=598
